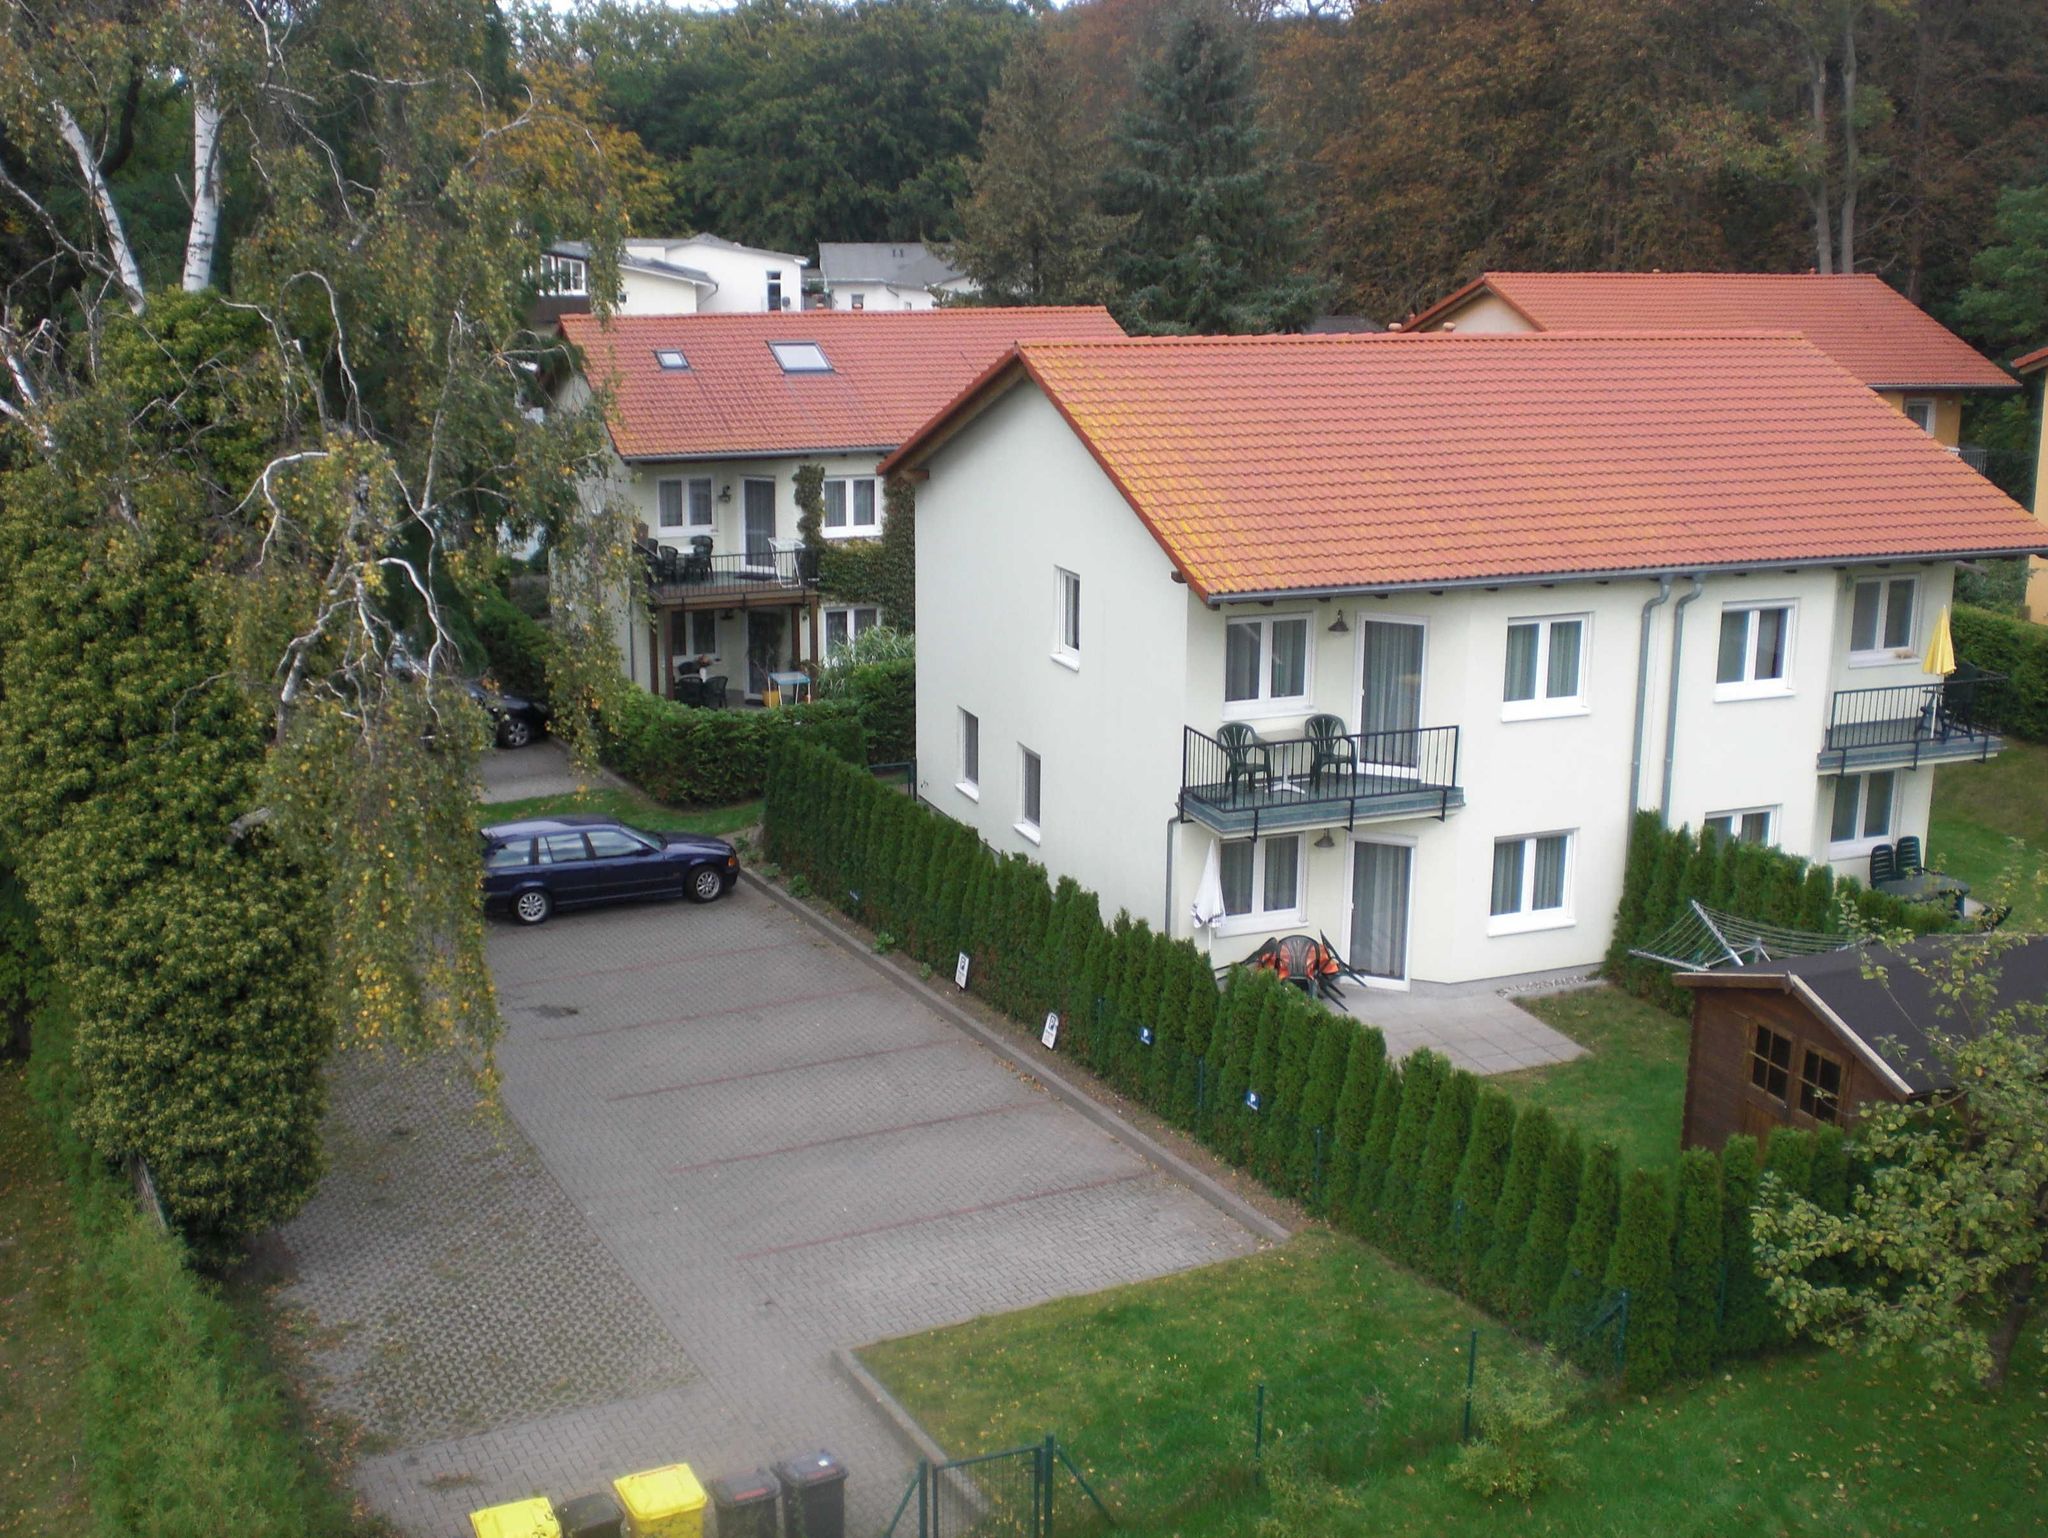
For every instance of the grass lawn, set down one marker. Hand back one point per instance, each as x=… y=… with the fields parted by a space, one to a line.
x=630 y=807
x=1977 y=808
x=40 y=1351
x=1149 y=1387
x=1152 y=1385
x=1630 y=1085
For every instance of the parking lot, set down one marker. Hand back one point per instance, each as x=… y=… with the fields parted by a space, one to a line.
x=747 y=1147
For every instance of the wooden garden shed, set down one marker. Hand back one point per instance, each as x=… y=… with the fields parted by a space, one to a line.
x=1805 y=1041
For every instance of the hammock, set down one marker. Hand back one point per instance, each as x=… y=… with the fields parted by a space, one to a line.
x=1704 y=938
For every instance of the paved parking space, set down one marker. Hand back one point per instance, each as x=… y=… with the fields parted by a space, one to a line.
x=783 y=1152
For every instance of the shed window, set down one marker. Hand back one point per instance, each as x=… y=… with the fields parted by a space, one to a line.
x=1770 y=1062
x=1820 y=1086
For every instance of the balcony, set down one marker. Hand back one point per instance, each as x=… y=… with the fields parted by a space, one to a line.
x=1305 y=782
x=1907 y=725
x=1976 y=458
x=694 y=578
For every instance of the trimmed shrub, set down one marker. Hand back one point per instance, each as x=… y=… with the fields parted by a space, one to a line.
x=1476 y=1193
x=2018 y=706
x=1376 y=1151
x=884 y=696
x=1528 y=1153
x=1198 y=1035
x=1696 y=1263
x=1542 y=1260
x=1748 y=1321
x=1314 y=1139
x=1583 y=1288
x=685 y=756
x=1429 y=1220
x=1641 y=1266
x=1300 y=1025
x=1422 y=1076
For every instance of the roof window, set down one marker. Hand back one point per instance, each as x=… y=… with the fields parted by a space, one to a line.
x=800 y=357
x=671 y=357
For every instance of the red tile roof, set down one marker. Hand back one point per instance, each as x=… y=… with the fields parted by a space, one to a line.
x=1860 y=321
x=1321 y=463
x=2031 y=361
x=890 y=370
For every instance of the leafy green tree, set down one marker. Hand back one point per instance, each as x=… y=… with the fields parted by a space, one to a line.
x=1640 y=1265
x=1481 y=1175
x=2006 y=303
x=1528 y=1155
x=1542 y=1259
x=1696 y=1263
x=1581 y=1290
x=1209 y=247
x=1939 y=1250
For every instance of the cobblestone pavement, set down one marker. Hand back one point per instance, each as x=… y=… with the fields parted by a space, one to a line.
x=782 y=1152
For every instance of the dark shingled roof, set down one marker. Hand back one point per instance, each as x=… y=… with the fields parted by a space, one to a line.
x=1892 y=1018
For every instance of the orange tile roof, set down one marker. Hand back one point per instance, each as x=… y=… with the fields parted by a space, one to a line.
x=1326 y=463
x=2033 y=360
x=1859 y=320
x=890 y=370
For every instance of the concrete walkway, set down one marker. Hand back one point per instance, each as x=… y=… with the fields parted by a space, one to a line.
x=1476 y=1025
x=543 y=769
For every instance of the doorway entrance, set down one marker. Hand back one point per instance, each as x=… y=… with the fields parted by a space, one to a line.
x=1380 y=880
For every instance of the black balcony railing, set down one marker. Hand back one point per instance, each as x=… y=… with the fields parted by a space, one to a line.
x=1976 y=458
x=1899 y=726
x=674 y=575
x=1242 y=787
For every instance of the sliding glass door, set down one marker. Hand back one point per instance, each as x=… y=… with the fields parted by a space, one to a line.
x=1379 y=909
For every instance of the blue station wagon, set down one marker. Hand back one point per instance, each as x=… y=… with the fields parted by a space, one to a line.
x=578 y=860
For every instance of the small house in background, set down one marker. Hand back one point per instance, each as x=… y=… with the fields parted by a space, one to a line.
x=886 y=275
x=675 y=275
x=1809 y=1040
x=2035 y=364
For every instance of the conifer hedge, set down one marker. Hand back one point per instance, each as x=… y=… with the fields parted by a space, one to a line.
x=1496 y=1200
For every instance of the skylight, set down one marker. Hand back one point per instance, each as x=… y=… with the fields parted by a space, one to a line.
x=671 y=357
x=800 y=357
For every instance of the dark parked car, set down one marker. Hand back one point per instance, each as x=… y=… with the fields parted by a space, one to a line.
x=519 y=720
x=531 y=868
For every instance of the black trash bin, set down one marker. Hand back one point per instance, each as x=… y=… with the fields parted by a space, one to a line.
x=745 y=1504
x=591 y=1516
x=813 y=1495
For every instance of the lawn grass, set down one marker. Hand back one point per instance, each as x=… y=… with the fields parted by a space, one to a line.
x=1149 y=1387
x=41 y=1353
x=1630 y=1085
x=1977 y=809
x=1152 y=1386
x=629 y=807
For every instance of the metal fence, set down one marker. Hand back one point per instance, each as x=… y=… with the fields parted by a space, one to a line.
x=1014 y=1493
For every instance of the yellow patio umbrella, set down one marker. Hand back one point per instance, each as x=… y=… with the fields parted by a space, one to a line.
x=1941 y=648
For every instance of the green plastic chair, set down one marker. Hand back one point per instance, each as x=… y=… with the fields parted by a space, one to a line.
x=1245 y=756
x=1332 y=747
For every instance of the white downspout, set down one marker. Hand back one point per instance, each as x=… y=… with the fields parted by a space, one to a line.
x=1699 y=584
x=1635 y=763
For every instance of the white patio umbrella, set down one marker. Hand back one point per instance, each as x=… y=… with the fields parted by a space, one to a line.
x=1208 y=904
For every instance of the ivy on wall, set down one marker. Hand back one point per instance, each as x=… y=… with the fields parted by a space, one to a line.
x=879 y=571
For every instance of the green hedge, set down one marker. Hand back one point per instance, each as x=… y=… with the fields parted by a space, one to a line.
x=687 y=756
x=1483 y=1195
x=517 y=647
x=1668 y=868
x=885 y=695
x=2019 y=706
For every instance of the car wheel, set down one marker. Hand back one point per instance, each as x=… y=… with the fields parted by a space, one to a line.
x=533 y=906
x=514 y=732
x=706 y=884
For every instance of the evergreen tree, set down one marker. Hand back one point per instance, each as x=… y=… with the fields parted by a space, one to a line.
x=1696 y=1263
x=1640 y=1265
x=1299 y=1021
x=1583 y=1288
x=1255 y=1112
x=913 y=874
x=1422 y=1076
x=1365 y=1064
x=1129 y=1054
x=1198 y=1033
x=1429 y=1218
x=1309 y=1169
x=1375 y=1152
x=1243 y=1007
x=1089 y=1012
x=1209 y=247
x=1629 y=928
x=1528 y=1153
x=1481 y=1176
x=1542 y=1259
x=1817 y=900
x=1748 y=1322
x=1788 y=1159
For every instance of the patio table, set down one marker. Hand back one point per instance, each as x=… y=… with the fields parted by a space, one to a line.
x=1925 y=887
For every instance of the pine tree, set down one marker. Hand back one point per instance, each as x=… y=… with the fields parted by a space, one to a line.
x=1528 y=1153
x=1641 y=1266
x=1089 y=1012
x=1209 y=248
x=1583 y=1287
x=1696 y=1263
x=1644 y=831
x=1365 y=1064
x=1660 y=908
x=1309 y=1166
x=1429 y=1218
x=1244 y=1007
x=1178 y=964
x=1422 y=1076
x=1130 y=1052
x=1748 y=1322
x=1255 y=1101
x=1542 y=1259
x=1476 y=1194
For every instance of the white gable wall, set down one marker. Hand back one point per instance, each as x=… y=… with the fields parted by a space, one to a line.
x=1483 y=312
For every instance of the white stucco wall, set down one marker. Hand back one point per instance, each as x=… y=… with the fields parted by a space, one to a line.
x=880 y=296
x=742 y=276
x=1013 y=496
x=1483 y=312
x=650 y=293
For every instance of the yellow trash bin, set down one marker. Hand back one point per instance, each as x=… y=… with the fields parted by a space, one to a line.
x=517 y=1519
x=662 y=1503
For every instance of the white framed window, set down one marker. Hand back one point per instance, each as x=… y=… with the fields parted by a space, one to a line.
x=700 y=502
x=1746 y=825
x=1546 y=668
x=969 y=783
x=1532 y=883
x=1066 y=634
x=848 y=622
x=774 y=290
x=1756 y=651
x=1266 y=665
x=1919 y=411
x=800 y=357
x=668 y=502
x=1881 y=619
x=853 y=506
x=1865 y=808
x=1030 y=789
x=684 y=503
x=1262 y=882
x=565 y=276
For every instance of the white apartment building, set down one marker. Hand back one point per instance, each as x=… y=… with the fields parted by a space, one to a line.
x=679 y=275
x=1531 y=583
